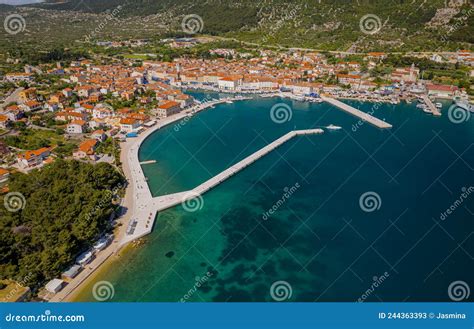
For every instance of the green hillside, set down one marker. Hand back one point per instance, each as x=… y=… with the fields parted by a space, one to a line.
x=400 y=25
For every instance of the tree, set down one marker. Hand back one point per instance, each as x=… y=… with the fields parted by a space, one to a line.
x=67 y=206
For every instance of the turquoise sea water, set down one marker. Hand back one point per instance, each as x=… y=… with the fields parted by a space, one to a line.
x=319 y=240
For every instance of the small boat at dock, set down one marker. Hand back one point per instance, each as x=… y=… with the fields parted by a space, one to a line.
x=464 y=105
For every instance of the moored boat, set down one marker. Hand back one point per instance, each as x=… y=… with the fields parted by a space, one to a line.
x=464 y=105
x=333 y=127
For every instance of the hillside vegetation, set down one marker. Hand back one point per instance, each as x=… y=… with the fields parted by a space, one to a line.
x=403 y=25
x=66 y=206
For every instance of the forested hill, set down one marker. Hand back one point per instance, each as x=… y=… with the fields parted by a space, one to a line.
x=322 y=24
x=53 y=214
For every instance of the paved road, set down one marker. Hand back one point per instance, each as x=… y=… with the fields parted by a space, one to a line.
x=14 y=97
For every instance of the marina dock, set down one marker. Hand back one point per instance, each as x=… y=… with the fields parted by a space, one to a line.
x=362 y=115
x=147 y=206
x=434 y=110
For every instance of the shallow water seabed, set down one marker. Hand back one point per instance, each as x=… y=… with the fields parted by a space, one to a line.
x=320 y=242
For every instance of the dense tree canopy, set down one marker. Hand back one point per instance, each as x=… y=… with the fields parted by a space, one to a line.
x=67 y=206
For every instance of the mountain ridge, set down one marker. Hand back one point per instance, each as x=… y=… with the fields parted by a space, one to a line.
x=332 y=24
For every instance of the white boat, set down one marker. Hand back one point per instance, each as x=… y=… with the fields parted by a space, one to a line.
x=421 y=106
x=465 y=105
x=333 y=127
x=438 y=105
x=427 y=110
x=85 y=258
x=229 y=102
x=102 y=242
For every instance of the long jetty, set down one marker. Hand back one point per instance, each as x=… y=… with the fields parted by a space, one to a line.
x=147 y=207
x=358 y=113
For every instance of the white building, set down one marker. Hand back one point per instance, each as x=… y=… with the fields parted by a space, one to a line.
x=54 y=286
x=228 y=83
x=76 y=127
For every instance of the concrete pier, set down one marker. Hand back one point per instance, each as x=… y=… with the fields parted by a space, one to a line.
x=146 y=206
x=362 y=115
x=148 y=162
x=434 y=110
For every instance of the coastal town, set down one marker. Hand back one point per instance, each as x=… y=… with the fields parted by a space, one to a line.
x=102 y=103
x=92 y=110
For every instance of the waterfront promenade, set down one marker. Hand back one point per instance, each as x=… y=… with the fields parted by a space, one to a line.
x=134 y=202
x=146 y=206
